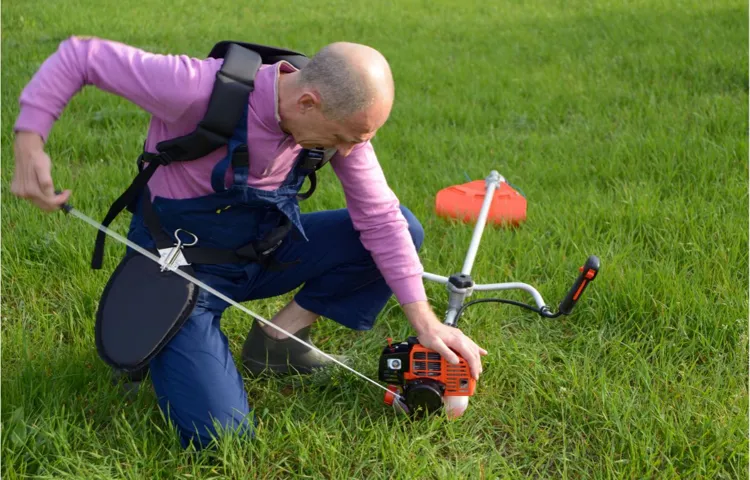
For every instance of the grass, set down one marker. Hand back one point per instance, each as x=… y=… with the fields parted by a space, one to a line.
x=625 y=125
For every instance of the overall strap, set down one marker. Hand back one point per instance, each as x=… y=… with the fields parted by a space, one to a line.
x=237 y=155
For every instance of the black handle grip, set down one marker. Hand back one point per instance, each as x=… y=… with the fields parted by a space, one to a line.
x=588 y=272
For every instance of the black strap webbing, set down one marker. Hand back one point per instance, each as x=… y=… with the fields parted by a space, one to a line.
x=234 y=83
x=269 y=54
x=311 y=159
x=151 y=219
x=139 y=182
x=313 y=184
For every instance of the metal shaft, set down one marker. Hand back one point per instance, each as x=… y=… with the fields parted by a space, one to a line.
x=492 y=182
x=209 y=289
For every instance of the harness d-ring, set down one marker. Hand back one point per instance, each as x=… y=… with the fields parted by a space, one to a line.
x=174 y=257
x=180 y=242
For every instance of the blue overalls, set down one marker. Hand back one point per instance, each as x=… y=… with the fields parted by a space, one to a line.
x=195 y=378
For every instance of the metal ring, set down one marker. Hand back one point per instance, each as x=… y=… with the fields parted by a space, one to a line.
x=177 y=237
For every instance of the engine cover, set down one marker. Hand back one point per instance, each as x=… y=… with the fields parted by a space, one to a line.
x=422 y=376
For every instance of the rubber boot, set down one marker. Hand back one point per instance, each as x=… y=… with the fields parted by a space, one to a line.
x=263 y=354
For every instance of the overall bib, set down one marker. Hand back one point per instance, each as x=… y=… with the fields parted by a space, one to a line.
x=194 y=376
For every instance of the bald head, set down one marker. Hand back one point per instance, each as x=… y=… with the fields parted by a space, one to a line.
x=350 y=78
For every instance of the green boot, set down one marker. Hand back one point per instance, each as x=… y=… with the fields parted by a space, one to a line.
x=262 y=353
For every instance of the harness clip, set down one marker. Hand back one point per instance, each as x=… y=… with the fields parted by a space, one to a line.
x=272 y=249
x=172 y=258
x=164 y=158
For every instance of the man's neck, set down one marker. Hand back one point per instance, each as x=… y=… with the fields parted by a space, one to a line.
x=285 y=88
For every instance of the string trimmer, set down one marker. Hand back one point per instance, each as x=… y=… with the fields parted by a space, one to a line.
x=421 y=380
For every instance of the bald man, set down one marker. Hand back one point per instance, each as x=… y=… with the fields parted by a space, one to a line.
x=348 y=262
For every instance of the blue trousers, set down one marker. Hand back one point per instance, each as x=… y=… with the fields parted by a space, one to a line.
x=195 y=378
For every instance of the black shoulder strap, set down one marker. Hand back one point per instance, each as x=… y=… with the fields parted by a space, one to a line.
x=234 y=82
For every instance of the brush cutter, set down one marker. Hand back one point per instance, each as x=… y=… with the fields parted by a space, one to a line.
x=419 y=379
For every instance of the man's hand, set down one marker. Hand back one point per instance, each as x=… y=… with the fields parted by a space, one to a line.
x=435 y=335
x=32 y=178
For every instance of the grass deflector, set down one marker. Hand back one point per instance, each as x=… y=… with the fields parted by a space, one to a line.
x=419 y=380
x=464 y=202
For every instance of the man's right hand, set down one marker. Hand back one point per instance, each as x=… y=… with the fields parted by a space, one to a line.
x=32 y=178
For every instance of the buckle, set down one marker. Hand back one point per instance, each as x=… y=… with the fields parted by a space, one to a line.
x=271 y=249
x=164 y=158
x=240 y=157
x=313 y=158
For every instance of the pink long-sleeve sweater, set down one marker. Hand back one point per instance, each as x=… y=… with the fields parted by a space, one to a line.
x=175 y=90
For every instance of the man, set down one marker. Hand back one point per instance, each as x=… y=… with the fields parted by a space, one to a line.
x=348 y=262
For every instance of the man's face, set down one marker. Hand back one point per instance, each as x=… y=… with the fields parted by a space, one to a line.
x=316 y=130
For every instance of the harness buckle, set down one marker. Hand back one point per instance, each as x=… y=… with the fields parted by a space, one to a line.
x=164 y=158
x=172 y=258
x=313 y=158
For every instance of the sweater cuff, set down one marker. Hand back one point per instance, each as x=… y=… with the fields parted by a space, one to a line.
x=409 y=290
x=34 y=119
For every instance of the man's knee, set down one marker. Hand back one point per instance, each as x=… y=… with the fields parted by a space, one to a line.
x=415 y=227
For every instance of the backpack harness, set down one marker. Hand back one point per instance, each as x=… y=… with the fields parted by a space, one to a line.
x=232 y=87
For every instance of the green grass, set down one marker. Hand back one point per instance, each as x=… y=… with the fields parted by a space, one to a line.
x=624 y=123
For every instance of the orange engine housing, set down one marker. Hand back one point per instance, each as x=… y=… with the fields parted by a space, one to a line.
x=426 y=363
x=418 y=372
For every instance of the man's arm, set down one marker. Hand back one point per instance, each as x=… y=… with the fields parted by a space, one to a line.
x=164 y=85
x=376 y=215
x=167 y=86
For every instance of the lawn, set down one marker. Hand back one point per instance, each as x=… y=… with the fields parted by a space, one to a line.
x=623 y=123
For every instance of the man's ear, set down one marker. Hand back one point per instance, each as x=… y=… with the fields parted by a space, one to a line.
x=308 y=101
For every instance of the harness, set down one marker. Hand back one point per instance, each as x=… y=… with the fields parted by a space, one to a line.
x=235 y=81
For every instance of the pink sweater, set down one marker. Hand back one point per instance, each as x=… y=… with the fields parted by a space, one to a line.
x=175 y=90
